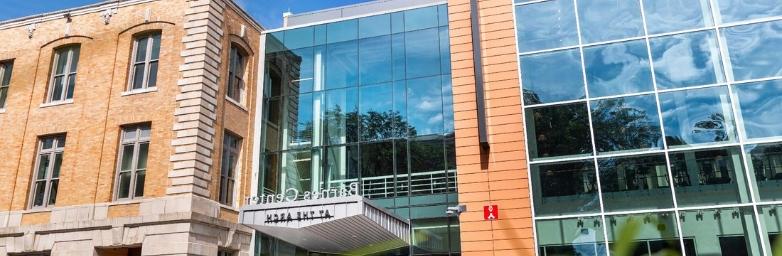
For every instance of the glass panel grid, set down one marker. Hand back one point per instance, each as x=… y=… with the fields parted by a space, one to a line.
x=719 y=58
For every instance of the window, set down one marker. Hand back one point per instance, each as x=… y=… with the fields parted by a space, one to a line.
x=236 y=74
x=47 y=171
x=146 y=54
x=132 y=165
x=224 y=253
x=5 y=81
x=63 y=80
x=232 y=145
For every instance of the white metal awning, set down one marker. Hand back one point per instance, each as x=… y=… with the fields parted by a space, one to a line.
x=343 y=225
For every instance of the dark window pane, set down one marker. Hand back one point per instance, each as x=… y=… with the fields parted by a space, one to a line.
x=71 y=85
x=298 y=170
x=603 y=20
x=74 y=58
x=765 y=161
x=62 y=60
x=127 y=157
x=57 y=165
x=152 y=81
x=141 y=49
x=546 y=25
x=635 y=183
x=124 y=185
x=629 y=123
x=618 y=68
x=421 y=18
x=3 y=96
x=565 y=188
x=298 y=38
x=552 y=77
x=138 y=76
x=272 y=130
x=342 y=64
x=342 y=31
x=697 y=116
x=425 y=106
x=38 y=193
x=373 y=26
x=377 y=118
x=143 y=151
x=271 y=174
x=43 y=167
x=427 y=166
x=377 y=169
x=760 y=107
x=754 y=49
x=719 y=172
x=58 y=87
x=422 y=52
x=140 y=176
x=687 y=60
x=155 y=46
x=374 y=58
x=558 y=131
x=9 y=66
x=53 y=186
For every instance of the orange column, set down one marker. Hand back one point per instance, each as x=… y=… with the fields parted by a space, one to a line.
x=498 y=175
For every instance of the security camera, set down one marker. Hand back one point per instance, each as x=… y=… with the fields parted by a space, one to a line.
x=456 y=210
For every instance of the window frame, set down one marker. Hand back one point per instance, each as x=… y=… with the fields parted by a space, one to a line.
x=137 y=141
x=70 y=50
x=227 y=181
x=58 y=147
x=231 y=86
x=147 y=62
x=6 y=68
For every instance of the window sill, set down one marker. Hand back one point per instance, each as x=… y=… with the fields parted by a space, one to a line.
x=139 y=91
x=228 y=207
x=237 y=104
x=39 y=209
x=56 y=103
x=124 y=201
x=2 y=110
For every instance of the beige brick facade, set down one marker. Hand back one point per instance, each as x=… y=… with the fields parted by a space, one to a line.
x=187 y=111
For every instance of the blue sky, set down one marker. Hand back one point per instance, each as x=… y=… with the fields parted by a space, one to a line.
x=267 y=12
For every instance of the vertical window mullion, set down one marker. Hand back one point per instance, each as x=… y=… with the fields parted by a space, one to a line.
x=53 y=78
x=132 y=66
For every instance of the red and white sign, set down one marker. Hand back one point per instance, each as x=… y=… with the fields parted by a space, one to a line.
x=491 y=212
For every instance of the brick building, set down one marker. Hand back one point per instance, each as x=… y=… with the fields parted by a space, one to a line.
x=122 y=133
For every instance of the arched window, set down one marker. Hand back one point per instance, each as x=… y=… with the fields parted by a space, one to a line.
x=63 y=79
x=144 y=61
x=236 y=69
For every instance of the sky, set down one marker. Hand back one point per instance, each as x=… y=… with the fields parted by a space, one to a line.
x=267 y=12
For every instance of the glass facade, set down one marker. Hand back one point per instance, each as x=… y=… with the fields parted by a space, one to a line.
x=664 y=116
x=366 y=100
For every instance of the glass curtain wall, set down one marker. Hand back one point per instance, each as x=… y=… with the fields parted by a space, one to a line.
x=661 y=114
x=366 y=100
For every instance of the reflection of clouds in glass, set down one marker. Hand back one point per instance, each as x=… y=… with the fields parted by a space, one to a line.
x=618 y=69
x=754 y=50
x=674 y=15
x=546 y=25
x=738 y=10
x=697 y=116
x=761 y=108
x=436 y=119
x=603 y=20
x=686 y=60
x=552 y=76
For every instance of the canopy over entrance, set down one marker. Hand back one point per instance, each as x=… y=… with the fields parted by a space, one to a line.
x=342 y=225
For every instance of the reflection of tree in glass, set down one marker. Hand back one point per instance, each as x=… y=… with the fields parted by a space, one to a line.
x=530 y=97
x=619 y=126
x=562 y=130
x=383 y=125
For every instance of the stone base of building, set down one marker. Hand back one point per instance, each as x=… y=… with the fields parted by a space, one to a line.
x=177 y=225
